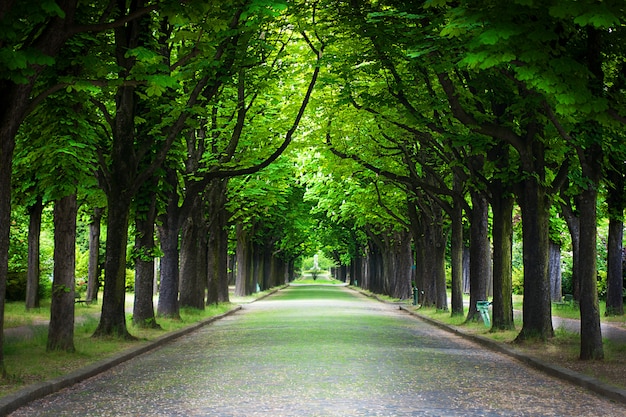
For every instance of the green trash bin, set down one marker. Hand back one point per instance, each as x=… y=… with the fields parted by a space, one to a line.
x=483 y=309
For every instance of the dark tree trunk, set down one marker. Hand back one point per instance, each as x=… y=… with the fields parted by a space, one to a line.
x=268 y=268
x=217 y=263
x=375 y=267
x=93 y=274
x=120 y=187
x=616 y=201
x=402 y=261
x=438 y=253
x=502 y=203
x=456 y=259
x=8 y=130
x=590 y=332
x=591 y=156
x=479 y=254
x=502 y=310
x=424 y=286
x=554 y=270
x=466 y=269
x=357 y=274
x=61 y=327
x=256 y=267
x=193 y=253
x=343 y=272
x=169 y=230
x=242 y=288
x=168 y=290
x=217 y=257
x=615 y=273
x=572 y=220
x=113 y=316
x=34 y=232
x=143 y=308
x=537 y=314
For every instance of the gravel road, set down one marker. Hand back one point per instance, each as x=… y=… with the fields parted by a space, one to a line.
x=322 y=351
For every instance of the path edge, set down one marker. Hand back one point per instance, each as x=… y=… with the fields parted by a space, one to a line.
x=592 y=384
x=595 y=385
x=22 y=397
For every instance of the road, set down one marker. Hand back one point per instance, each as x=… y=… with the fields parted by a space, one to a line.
x=322 y=351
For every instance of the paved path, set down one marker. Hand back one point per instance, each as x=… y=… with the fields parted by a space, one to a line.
x=321 y=351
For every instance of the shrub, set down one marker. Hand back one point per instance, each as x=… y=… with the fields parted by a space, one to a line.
x=518 y=281
x=130 y=280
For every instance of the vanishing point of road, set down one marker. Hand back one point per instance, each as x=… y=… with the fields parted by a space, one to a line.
x=321 y=351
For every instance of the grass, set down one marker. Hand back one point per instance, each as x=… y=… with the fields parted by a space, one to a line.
x=563 y=349
x=27 y=361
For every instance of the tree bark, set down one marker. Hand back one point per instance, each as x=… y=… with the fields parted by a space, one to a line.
x=573 y=225
x=217 y=256
x=537 y=314
x=554 y=270
x=169 y=231
x=143 y=307
x=615 y=273
x=193 y=253
x=93 y=274
x=590 y=331
x=479 y=254
x=61 y=327
x=616 y=201
x=456 y=257
x=34 y=232
x=502 y=309
x=168 y=290
x=243 y=259
x=113 y=316
x=403 y=261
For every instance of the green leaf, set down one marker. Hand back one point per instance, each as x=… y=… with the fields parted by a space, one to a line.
x=51 y=7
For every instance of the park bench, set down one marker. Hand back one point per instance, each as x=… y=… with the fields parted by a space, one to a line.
x=566 y=301
x=78 y=300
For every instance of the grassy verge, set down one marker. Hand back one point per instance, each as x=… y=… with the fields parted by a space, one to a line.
x=562 y=350
x=27 y=361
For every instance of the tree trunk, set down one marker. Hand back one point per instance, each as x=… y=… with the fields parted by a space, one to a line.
x=13 y=109
x=61 y=327
x=143 y=308
x=456 y=260
x=573 y=225
x=615 y=273
x=590 y=332
x=93 y=274
x=479 y=254
x=113 y=316
x=554 y=270
x=243 y=259
x=537 y=314
x=169 y=230
x=402 y=271
x=193 y=252
x=217 y=257
x=217 y=263
x=616 y=200
x=168 y=290
x=34 y=232
x=502 y=310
